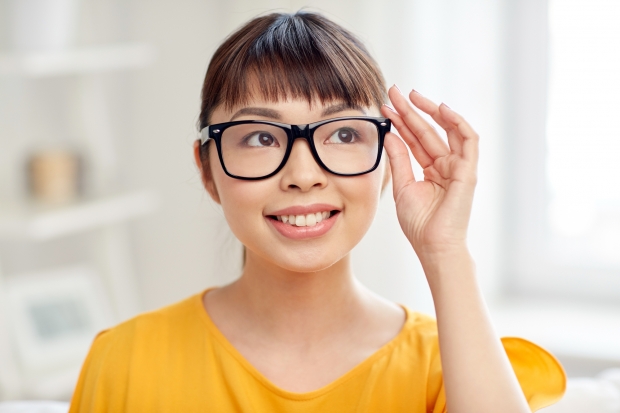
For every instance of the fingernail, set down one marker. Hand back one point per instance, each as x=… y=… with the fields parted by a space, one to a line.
x=446 y=106
x=397 y=88
x=389 y=107
x=415 y=91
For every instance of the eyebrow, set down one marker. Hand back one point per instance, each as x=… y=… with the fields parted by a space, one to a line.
x=264 y=112
x=274 y=114
x=341 y=107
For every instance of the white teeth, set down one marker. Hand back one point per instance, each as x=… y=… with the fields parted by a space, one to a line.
x=300 y=220
x=310 y=220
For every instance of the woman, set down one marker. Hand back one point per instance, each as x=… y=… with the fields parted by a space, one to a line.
x=293 y=126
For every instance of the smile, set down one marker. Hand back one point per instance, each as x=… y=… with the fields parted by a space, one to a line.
x=307 y=220
x=301 y=222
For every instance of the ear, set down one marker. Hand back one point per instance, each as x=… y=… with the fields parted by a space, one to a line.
x=201 y=157
x=387 y=175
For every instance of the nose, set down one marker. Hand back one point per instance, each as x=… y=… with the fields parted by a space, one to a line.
x=301 y=170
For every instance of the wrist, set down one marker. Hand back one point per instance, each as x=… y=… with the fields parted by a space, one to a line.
x=441 y=253
x=454 y=265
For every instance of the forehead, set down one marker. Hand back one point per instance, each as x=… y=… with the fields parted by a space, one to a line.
x=272 y=109
x=289 y=110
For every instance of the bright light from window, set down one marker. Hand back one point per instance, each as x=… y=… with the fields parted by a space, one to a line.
x=583 y=132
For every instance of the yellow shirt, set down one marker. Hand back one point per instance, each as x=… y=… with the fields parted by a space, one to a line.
x=176 y=360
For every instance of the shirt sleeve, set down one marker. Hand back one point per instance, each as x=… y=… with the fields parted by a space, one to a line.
x=540 y=375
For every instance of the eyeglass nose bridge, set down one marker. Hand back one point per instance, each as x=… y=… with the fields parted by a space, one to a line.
x=300 y=131
x=303 y=132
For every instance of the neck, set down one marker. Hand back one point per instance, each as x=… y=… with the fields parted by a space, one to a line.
x=293 y=305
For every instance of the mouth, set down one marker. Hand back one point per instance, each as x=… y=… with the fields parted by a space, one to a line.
x=304 y=220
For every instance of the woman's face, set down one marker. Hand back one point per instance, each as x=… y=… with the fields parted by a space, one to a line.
x=255 y=209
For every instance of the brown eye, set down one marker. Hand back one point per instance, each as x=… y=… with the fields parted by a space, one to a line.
x=261 y=139
x=265 y=139
x=343 y=135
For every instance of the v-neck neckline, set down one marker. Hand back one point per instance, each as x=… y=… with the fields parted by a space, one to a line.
x=356 y=370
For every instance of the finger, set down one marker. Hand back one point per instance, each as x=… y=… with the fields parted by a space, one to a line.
x=454 y=168
x=455 y=141
x=429 y=107
x=433 y=175
x=426 y=134
x=400 y=164
x=419 y=153
x=468 y=135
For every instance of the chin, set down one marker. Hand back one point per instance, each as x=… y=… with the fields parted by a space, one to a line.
x=310 y=267
x=306 y=261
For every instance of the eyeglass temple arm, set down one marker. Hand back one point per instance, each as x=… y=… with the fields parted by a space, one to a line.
x=204 y=135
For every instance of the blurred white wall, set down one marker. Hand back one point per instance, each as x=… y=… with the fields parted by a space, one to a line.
x=185 y=247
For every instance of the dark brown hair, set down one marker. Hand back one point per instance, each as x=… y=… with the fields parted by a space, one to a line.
x=300 y=55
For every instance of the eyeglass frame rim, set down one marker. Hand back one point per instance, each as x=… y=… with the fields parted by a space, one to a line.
x=214 y=132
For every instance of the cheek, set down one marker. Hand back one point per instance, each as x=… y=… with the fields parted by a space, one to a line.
x=361 y=196
x=242 y=202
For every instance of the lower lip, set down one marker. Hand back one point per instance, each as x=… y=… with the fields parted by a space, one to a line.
x=295 y=232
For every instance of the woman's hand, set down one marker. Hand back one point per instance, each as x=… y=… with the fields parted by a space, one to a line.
x=433 y=213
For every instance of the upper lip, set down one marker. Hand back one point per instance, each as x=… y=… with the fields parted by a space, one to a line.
x=304 y=209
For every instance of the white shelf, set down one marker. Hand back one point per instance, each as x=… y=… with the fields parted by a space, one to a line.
x=42 y=225
x=78 y=61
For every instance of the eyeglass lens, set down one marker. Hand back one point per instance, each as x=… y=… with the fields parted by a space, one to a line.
x=346 y=146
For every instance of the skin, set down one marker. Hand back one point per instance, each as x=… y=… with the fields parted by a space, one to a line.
x=298 y=315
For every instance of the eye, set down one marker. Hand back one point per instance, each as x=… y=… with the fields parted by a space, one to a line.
x=343 y=135
x=261 y=139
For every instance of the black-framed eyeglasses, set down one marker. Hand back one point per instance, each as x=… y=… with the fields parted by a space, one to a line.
x=256 y=149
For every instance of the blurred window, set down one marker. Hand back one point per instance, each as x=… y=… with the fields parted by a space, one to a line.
x=566 y=205
x=583 y=135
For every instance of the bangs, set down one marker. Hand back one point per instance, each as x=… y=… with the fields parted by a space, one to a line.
x=299 y=56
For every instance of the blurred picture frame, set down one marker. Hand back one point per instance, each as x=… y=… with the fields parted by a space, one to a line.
x=54 y=316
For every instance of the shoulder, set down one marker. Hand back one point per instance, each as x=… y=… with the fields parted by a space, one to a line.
x=422 y=340
x=173 y=313
x=422 y=324
x=417 y=346
x=540 y=375
x=420 y=330
x=140 y=353
x=145 y=337
x=158 y=323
